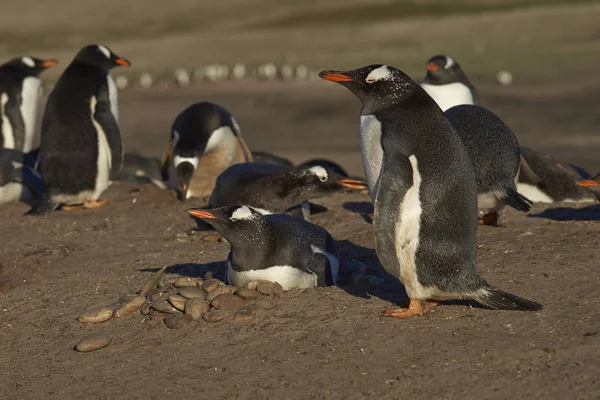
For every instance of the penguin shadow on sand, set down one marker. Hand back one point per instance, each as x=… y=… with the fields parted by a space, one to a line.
x=589 y=213
x=363 y=208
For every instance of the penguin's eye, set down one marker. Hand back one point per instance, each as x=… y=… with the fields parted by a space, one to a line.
x=322 y=178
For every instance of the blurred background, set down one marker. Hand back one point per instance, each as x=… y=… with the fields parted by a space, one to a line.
x=550 y=50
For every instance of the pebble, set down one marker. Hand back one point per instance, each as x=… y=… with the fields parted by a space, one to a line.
x=196 y=307
x=245 y=314
x=163 y=306
x=269 y=288
x=129 y=307
x=152 y=282
x=265 y=303
x=177 y=321
x=186 y=281
x=211 y=284
x=216 y=315
x=220 y=290
x=228 y=302
x=92 y=343
x=96 y=315
x=159 y=296
x=247 y=294
x=251 y=285
x=146 y=309
x=212 y=238
x=190 y=292
x=178 y=301
x=208 y=276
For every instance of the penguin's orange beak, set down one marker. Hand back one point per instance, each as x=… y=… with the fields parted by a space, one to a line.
x=588 y=183
x=432 y=67
x=334 y=77
x=123 y=62
x=195 y=212
x=49 y=63
x=353 y=184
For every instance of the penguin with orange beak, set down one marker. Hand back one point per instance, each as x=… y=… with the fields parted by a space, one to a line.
x=593 y=184
x=19 y=98
x=447 y=84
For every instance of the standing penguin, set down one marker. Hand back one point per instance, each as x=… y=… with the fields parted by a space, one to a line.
x=278 y=248
x=495 y=156
x=424 y=193
x=205 y=140
x=19 y=98
x=81 y=148
x=447 y=84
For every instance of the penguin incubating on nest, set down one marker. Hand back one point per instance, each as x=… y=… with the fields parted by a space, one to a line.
x=205 y=140
x=18 y=179
x=593 y=184
x=424 y=191
x=270 y=188
x=544 y=179
x=19 y=98
x=278 y=248
x=494 y=153
x=81 y=148
x=447 y=84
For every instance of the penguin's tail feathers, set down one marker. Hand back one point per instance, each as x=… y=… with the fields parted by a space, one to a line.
x=516 y=200
x=499 y=300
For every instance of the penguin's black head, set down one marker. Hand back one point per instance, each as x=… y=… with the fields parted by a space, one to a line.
x=101 y=57
x=185 y=171
x=443 y=69
x=316 y=181
x=31 y=66
x=237 y=223
x=592 y=184
x=377 y=86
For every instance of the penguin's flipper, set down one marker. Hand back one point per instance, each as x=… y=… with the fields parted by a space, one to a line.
x=13 y=113
x=526 y=173
x=42 y=208
x=245 y=150
x=29 y=178
x=500 y=300
x=103 y=114
x=516 y=200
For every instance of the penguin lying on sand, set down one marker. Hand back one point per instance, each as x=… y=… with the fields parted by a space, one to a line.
x=205 y=140
x=264 y=157
x=273 y=189
x=81 y=148
x=544 y=179
x=19 y=98
x=18 y=179
x=593 y=184
x=447 y=84
x=277 y=248
x=424 y=192
x=141 y=170
x=494 y=153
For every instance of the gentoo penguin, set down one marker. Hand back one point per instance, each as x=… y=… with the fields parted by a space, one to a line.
x=278 y=248
x=593 y=184
x=424 y=192
x=447 y=84
x=141 y=170
x=330 y=165
x=544 y=179
x=19 y=97
x=81 y=148
x=494 y=153
x=264 y=157
x=18 y=179
x=273 y=189
x=205 y=140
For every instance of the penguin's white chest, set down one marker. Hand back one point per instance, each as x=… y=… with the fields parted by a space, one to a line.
x=104 y=161
x=372 y=151
x=7 y=130
x=450 y=95
x=29 y=103
x=287 y=276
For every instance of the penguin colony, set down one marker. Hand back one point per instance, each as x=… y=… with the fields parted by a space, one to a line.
x=436 y=163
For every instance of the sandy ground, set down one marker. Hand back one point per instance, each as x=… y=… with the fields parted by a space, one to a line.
x=328 y=343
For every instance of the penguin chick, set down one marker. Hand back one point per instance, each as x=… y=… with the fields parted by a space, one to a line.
x=19 y=99
x=18 y=179
x=141 y=170
x=273 y=189
x=205 y=140
x=447 y=84
x=81 y=148
x=424 y=191
x=544 y=179
x=495 y=156
x=278 y=248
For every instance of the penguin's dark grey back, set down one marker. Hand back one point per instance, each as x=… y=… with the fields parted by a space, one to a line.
x=492 y=147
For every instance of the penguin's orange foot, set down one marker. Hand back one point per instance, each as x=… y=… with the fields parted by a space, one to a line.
x=72 y=207
x=489 y=219
x=415 y=307
x=94 y=203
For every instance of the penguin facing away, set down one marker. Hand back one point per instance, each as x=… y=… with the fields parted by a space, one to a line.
x=495 y=156
x=18 y=179
x=424 y=193
x=271 y=189
x=544 y=179
x=19 y=97
x=278 y=248
x=205 y=140
x=447 y=84
x=81 y=147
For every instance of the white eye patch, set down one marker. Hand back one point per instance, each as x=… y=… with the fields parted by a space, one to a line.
x=192 y=160
x=320 y=172
x=104 y=51
x=241 y=213
x=449 y=62
x=28 y=61
x=377 y=74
